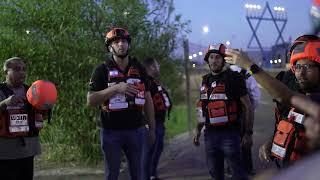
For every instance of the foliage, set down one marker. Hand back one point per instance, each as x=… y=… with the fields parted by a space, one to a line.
x=63 y=40
x=177 y=123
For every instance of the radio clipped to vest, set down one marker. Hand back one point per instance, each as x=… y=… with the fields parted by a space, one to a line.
x=289 y=142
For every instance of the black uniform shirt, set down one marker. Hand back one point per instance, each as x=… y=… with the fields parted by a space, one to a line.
x=124 y=119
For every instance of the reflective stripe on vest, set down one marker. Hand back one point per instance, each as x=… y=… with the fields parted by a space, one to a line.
x=278 y=150
x=216 y=120
x=17 y=129
x=218 y=97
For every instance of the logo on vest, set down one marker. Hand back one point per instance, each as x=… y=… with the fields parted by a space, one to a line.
x=213 y=84
x=18 y=119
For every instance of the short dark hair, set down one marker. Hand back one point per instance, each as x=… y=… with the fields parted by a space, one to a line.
x=8 y=63
x=148 y=61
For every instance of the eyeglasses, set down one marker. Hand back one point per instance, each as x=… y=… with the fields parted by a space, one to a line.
x=307 y=67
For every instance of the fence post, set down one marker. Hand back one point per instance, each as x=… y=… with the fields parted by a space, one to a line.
x=187 y=74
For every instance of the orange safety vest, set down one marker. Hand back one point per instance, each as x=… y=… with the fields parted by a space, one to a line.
x=20 y=120
x=160 y=98
x=290 y=141
x=121 y=101
x=220 y=109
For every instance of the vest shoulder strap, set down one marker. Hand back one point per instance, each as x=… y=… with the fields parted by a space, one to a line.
x=245 y=74
x=205 y=79
x=6 y=91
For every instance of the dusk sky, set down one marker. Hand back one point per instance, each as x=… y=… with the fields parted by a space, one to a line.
x=226 y=21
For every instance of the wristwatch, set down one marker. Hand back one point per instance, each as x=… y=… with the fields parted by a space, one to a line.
x=254 y=69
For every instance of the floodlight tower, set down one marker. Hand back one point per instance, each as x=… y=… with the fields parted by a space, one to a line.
x=257 y=13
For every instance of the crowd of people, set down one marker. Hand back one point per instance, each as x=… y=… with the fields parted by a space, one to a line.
x=134 y=106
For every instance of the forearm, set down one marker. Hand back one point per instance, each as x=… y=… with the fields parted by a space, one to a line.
x=3 y=106
x=149 y=111
x=99 y=97
x=275 y=88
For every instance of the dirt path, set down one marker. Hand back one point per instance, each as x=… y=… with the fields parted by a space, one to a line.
x=182 y=160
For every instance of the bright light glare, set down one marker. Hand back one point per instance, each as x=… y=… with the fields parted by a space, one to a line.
x=205 y=29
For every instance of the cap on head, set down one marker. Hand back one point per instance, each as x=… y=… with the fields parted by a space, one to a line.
x=115 y=34
x=7 y=63
x=219 y=49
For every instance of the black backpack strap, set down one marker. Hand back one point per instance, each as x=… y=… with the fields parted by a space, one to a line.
x=205 y=79
x=170 y=107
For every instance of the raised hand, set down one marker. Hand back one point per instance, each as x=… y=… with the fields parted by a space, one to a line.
x=234 y=56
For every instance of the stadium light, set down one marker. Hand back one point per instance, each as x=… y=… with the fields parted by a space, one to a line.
x=280 y=9
x=252 y=6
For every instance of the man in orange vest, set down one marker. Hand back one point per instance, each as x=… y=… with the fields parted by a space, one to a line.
x=289 y=142
x=162 y=107
x=120 y=88
x=223 y=95
x=20 y=124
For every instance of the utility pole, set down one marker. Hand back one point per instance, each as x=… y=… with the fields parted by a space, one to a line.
x=186 y=68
